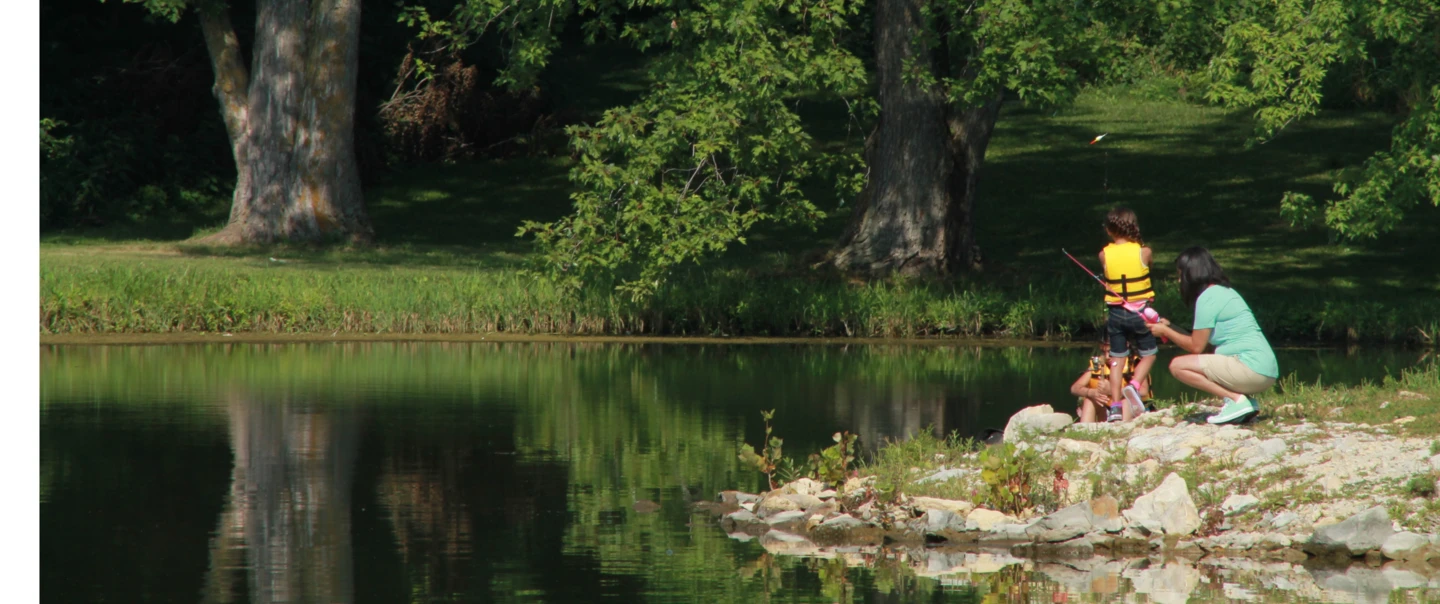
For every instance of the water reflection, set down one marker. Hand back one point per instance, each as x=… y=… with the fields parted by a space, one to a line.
x=286 y=522
x=383 y=472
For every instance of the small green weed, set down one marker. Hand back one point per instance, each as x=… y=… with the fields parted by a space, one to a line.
x=771 y=459
x=1011 y=478
x=833 y=464
x=1422 y=485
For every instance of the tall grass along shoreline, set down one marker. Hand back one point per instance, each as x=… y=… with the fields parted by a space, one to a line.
x=94 y=296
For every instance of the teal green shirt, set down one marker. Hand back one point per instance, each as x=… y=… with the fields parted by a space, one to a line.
x=1236 y=334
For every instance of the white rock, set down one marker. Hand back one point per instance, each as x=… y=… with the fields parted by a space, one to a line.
x=960 y=508
x=806 y=502
x=1168 y=509
x=1039 y=419
x=985 y=520
x=803 y=486
x=1404 y=546
x=1237 y=504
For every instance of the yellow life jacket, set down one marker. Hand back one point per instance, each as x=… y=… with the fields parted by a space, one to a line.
x=1126 y=273
x=1100 y=370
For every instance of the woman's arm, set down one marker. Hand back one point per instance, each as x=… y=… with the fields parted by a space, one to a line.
x=1080 y=388
x=1193 y=343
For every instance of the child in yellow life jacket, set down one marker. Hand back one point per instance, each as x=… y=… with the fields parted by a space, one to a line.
x=1092 y=388
x=1127 y=272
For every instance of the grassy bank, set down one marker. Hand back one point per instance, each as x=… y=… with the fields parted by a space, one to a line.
x=125 y=290
x=447 y=260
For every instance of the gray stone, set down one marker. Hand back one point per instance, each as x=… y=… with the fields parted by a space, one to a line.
x=847 y=530
x=1284 y=519
x=1405 y=546
x=741 y=516
x=775 y=504
x=806 y=502
x=1063 y=525
x=1356 y=535
x=786 y=516
x=1435 y=463
x=1168 y=509
x=1237 y=504
x=737 y=497
x=943 y=520
x=1007 y=532
x=1039 y=419
x=843 y=521
x=741 y=521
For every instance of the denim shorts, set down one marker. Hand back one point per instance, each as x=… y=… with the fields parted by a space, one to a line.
x=1122 y=326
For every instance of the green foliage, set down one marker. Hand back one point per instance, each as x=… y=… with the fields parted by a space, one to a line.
x=1421 y=486
x=715 y=148
x=1277 y=58
x=1010 y=477
x=1435 y=448
x=1036 y=50
x=832 y=465
x=1375 y=198
x=527 y=29
x=170 y=10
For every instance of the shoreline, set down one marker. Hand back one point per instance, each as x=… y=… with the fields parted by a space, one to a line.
x=154 y=339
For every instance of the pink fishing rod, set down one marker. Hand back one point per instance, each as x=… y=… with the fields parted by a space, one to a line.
x=1141 y=307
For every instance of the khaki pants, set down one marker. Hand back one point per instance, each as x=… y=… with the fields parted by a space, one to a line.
x=1231 y=374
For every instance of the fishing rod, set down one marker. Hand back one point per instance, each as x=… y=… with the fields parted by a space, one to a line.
x=1141 y=307
x=1097 y=277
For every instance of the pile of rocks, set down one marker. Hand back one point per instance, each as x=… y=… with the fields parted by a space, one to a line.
x=807 y=517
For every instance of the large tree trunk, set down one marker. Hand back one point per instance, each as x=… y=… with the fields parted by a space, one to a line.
x=291 y=121
x=916 y=213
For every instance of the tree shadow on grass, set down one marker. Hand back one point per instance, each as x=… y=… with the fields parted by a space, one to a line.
x=1195 y=184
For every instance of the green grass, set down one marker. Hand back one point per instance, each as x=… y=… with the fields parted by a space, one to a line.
x=447 y=259
x=1412 y=393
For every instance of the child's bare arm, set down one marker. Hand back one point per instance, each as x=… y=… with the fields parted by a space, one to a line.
x=1081 y=385
x=1145 y=256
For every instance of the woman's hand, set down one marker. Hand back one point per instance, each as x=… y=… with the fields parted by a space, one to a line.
x=1161 y=328
x=1099 y=397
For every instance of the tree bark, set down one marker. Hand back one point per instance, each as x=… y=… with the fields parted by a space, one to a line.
x=916 y=215
x=292 y=130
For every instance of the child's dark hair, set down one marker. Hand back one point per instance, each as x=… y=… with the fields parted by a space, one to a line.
x=1121 y=221
x=1198 y=270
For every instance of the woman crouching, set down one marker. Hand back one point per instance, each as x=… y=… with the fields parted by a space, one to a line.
x=1243 y=363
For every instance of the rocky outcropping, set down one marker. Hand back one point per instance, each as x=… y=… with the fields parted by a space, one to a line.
x=1167 y=515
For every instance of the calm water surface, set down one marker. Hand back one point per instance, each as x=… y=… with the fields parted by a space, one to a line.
x=434 y=472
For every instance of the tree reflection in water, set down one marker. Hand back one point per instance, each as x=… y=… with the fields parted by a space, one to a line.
x=286 y=522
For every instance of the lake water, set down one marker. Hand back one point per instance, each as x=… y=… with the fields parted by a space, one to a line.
x=438 y=472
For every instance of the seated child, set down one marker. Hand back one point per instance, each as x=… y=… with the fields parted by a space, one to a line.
x=1093 y=387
